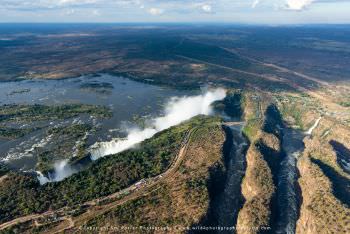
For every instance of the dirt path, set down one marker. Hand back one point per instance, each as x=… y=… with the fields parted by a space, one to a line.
x=266 y=77
x=24 y=219
x=280 y=68
x=270 y=78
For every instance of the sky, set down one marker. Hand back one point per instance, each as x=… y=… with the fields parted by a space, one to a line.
x=273 y=12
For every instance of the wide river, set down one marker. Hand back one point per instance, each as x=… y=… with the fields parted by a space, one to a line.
x=129 y=100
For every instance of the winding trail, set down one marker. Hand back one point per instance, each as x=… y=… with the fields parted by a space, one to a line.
x=24 y=219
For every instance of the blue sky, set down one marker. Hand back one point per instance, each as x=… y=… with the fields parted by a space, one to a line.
x=233 y=11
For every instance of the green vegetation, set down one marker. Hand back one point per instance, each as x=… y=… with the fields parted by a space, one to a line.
x=295 y=107
x=68 y=140
x=13 y=133
x=21 y=114
x=251 y=128
x=182 y=199
x=101 y=88
x=3 y=169
x=293 y=112
x=22 y=194
x=28 y=113
x=252 y=115
x=345 y=104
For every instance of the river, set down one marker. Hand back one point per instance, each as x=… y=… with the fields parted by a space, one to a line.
x=128 y=100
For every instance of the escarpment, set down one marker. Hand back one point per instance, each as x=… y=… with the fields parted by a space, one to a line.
x=325 y=185
x=321 y=211
x=259 y=184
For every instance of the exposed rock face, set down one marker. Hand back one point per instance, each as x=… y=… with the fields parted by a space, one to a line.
x=259 y=184
x=257 y=189
x=320 y=212
x=325 y=185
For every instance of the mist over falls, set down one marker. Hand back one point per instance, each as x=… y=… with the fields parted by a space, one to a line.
x=177 y=110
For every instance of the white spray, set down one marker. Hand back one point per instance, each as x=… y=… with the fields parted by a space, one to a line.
x=177 y=111
x=309 y=132
x=62 y=170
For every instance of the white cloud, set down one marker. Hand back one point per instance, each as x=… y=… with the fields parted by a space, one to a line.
x=265 y=11
x=207 y=8
x=155 y=11
x=295 y=5
x=255 y=3
x=42 y=4
x=298 y=4
x=73 y=2
x=69 y=12
x=96 y=12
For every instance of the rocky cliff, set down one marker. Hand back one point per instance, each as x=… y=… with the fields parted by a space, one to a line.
x=259 y=184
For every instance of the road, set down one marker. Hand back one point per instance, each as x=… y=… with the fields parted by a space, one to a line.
x=24 y=219
x=278 y=79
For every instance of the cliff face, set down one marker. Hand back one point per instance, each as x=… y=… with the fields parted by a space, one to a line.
x=325 y=185
x=259 y=184
x=257 y=189
x=320 y=212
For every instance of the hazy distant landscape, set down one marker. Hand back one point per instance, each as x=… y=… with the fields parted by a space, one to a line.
x=180 y=126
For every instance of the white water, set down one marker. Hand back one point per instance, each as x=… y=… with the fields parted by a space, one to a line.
x=309 y=132
x=62 y=170
x=178 y=110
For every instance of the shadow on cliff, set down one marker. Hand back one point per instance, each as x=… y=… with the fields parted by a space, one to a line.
x=217 y=184
x=343 y=155
x=340 y=184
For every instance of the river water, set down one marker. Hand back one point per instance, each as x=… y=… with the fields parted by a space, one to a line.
x=129 y=100
x=231 y=200
x=288 y=200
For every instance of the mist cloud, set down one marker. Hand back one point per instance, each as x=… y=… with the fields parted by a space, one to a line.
x=177 y=110
x=295 y=5
x=62 y=170
x=298 y=4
